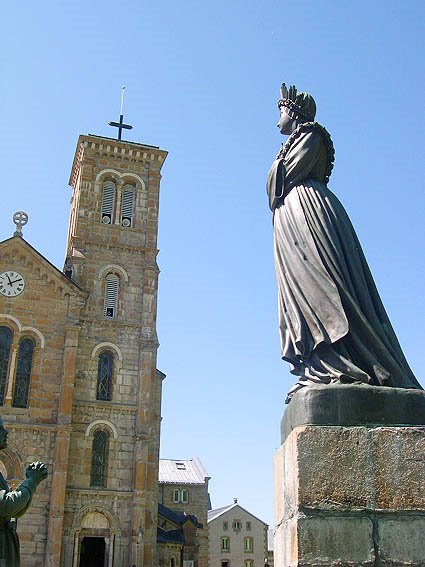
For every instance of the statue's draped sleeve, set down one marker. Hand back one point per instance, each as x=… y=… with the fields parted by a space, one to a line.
x=306 y=158
x=14 y=503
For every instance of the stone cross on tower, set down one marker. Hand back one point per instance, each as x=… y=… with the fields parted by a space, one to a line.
x=20 y=218
x=120 y=125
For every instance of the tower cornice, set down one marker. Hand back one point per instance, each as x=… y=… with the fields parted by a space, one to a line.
x=117 y=149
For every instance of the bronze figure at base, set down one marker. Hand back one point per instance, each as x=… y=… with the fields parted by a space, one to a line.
x=13 y=504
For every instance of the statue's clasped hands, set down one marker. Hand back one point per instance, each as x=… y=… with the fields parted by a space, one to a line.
x=36 y=472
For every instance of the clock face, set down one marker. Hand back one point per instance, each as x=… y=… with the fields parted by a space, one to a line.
x=11 y=283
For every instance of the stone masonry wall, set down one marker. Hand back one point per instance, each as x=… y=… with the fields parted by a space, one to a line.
x=351 y=496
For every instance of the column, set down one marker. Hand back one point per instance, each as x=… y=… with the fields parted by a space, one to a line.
x=63 y=433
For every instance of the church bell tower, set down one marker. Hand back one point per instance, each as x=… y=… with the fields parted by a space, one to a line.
x=111 y=491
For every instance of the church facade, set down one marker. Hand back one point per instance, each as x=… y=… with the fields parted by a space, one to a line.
x=79 y=387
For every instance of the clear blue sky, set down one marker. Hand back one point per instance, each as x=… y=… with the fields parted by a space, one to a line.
x=202 y=82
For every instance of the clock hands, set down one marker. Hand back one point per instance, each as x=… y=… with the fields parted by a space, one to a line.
x=14 y=281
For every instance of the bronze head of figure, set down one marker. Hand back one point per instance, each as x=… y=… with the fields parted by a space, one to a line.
x=299 y=106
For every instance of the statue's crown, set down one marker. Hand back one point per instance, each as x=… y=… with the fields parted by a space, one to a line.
x=302 y=104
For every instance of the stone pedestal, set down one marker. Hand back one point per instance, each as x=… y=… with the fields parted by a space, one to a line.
x=351 y=493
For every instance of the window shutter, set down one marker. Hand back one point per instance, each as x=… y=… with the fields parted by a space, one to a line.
x=108 y=202
x=127 y=206
x=111 y=296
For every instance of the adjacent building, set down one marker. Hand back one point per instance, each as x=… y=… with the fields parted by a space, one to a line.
x=237 y=538
x=183 y=488
x=178 y=538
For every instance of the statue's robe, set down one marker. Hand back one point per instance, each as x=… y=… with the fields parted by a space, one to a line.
x=13 y=503
x=333 y=325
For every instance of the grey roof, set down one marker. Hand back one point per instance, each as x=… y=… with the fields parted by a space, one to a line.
x=180 y=471
x=213 y=514
x=177 y=517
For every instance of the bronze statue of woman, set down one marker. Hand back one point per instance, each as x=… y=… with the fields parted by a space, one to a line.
x=332 y=323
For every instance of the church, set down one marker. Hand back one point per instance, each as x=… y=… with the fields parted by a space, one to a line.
x=79 y=385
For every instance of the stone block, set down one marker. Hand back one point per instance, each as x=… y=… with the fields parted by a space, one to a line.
x=313 y=541
x=402 y=541
x=327 y=540
x=356 y=467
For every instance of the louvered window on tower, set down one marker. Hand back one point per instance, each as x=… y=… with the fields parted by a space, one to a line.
x=108 y=202
x=111 y=296
x=127 y=206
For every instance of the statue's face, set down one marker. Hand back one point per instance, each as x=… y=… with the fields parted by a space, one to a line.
x=286 y=123
x=3 y=436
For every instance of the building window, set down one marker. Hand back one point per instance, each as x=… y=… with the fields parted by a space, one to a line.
x=180 y=496
x=5 y=342
x=225 y=526
x=110 y=305
x=105 y=370
x=237 y=524
x=99 y=459
x=127 y=206
x=225 y=563
x=248 y=563
x=23 y=374
x=108 y=202
x=249 y=544
x=248 y=526
x=225 y=544
x=172 y=562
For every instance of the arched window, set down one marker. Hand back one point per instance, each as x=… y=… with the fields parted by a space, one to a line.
x=5 y=342
x=108 y=202
x=99 y=458
x=127 y=206
x=23 y=374
x=105 y=369
x=110 y=304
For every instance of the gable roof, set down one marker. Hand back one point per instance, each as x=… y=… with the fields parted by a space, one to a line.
x=181 y=471
x=64 y=280
x=171 y=536
x=178 y=518
x=213 y=514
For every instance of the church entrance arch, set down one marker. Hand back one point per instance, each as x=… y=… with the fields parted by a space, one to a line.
x=94 y=540
x=93 y=552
